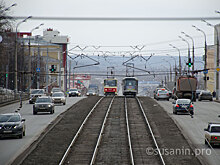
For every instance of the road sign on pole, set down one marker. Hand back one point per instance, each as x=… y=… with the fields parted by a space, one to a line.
x=205 y=71
x=38 y=69
x=217 y=69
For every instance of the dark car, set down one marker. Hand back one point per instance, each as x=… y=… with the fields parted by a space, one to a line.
x=12 y=125
x=205 y=95
x=43 y=104
x=183 y=105
x=35 y=94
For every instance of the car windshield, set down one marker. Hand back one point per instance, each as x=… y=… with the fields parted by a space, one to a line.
x=215 y=129
x=91 y=91
x=57 y=95
x=56 y=90
x=43 y=100
x=37 y=92
x=9 y=118
x=183 y=101
x=73 y=90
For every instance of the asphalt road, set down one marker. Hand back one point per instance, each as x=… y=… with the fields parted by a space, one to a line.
x=35 y=124
x=193 y=128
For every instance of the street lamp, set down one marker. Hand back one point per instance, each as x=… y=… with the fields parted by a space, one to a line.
x=179 y=58
x=205 y=59
x=29 y=62
x=16 y=52
x=188 y=51
x=192 y=48
x=175 y=64
x=170 y=68
x=217 y=58
x=6 y=9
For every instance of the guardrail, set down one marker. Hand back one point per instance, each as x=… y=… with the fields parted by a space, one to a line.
x=11 y=98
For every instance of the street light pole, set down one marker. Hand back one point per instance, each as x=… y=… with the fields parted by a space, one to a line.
x=175 y=64
x=205 y=58
x=180 y=68
x=193 y=56
x=217 y=58
x=188 y=50
x=29 y=59
x=16 y=53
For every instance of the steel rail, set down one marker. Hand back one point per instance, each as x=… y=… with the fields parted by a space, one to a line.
x=152 y=134
x=128 y=133
x=101 y=133
x=77 y=134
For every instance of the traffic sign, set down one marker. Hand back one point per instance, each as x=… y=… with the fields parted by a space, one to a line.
x=205 y=71
x=218 y=69
x=38 y=69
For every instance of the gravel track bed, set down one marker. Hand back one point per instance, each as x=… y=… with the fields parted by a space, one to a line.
x=113 y=148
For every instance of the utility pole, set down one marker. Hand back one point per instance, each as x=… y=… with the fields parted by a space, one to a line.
x=47 y=72
x=205 y=56
x=69 y=72
x=38 y=64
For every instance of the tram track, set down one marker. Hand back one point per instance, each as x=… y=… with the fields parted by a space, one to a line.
x=84 y=147
x=140 y=134
x=109 y=133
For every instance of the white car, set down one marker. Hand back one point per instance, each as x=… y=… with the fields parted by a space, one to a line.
x=59 y=97
x=212 y=134
x=74 y=92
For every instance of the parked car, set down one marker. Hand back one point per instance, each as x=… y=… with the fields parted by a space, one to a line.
x=205 y=95
x=43 y=104
x=12 y=125
x=212 y=134
x=55 y=89
x=35 y=93
x=198 y=92
x=59 y=97
x=74 y=92
x=162 y=94
x=183 y=105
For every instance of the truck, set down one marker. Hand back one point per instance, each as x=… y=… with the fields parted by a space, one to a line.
x=186 y=87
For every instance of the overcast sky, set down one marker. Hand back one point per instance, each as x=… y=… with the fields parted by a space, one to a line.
x=155 y=35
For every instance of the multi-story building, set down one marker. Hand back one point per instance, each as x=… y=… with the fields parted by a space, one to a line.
x=45 y=53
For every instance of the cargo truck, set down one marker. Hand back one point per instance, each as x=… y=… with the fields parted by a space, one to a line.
x=186 y=88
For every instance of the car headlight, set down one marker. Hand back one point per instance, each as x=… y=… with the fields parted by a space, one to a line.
x=16 y=126
x=0 y=127
x=49 y=105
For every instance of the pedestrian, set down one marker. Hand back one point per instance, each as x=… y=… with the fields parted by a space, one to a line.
x=214 y=93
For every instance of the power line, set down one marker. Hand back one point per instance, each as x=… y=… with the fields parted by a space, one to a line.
x=119 y=18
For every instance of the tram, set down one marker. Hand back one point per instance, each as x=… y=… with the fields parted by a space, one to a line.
x=110 y=86
x=130 y=86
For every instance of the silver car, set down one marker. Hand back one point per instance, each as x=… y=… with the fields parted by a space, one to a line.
x=162 y=94
x=43 y=104
x=59 y=97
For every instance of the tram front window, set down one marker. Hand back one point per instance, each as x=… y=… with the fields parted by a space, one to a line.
x=110 y=83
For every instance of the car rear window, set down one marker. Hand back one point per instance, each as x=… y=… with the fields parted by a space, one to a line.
x=183 y=101
x=215 y=129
